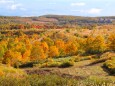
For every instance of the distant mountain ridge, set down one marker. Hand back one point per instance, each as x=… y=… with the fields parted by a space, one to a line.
x=58 y=20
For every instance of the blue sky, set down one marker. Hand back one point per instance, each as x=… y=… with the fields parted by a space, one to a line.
x=60 y=7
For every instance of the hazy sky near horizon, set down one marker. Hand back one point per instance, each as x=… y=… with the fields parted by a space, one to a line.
x=59 y=7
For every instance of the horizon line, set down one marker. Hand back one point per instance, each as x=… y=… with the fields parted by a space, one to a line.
x=56 y=15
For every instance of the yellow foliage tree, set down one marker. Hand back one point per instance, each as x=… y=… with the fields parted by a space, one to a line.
x=45 y=47
x=26 y=56
x=60 y=45
x=111 y=42
x=53 y=51
x=71 y=48
x=12 y=57
x=95 y=44
x=37 y=53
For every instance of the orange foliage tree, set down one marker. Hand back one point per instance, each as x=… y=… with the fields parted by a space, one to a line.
x=12 y=57
x=71 y=48
x=37 y=53
x=53 y=51
x=61 y=46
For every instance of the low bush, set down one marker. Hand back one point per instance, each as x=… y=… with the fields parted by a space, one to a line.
x=48 y=64
x=80 y=58
x=28 y=64
x=54 y=64
x=110 y=65
x=66 y=64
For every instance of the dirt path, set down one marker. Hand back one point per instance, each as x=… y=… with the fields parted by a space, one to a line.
x=80 y=69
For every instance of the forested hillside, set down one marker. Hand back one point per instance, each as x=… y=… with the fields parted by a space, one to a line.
x=53 y=21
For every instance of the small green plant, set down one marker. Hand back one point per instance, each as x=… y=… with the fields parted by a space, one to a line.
x=68 y=30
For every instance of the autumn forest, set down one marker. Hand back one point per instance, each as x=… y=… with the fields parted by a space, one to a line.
x=53 y=50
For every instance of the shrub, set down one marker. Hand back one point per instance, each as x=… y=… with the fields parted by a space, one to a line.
x=28 y=64
x=110 y=65
x=79 y=58
x=67 y=64
x=48 y=64
x=42 y=65
x=54 y=64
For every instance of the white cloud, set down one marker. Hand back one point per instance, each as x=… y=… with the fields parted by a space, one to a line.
x=90 y=11
x=15 y=6
x=78 y=4
x=94 y=11
x=11 y=5
x=6 y=1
